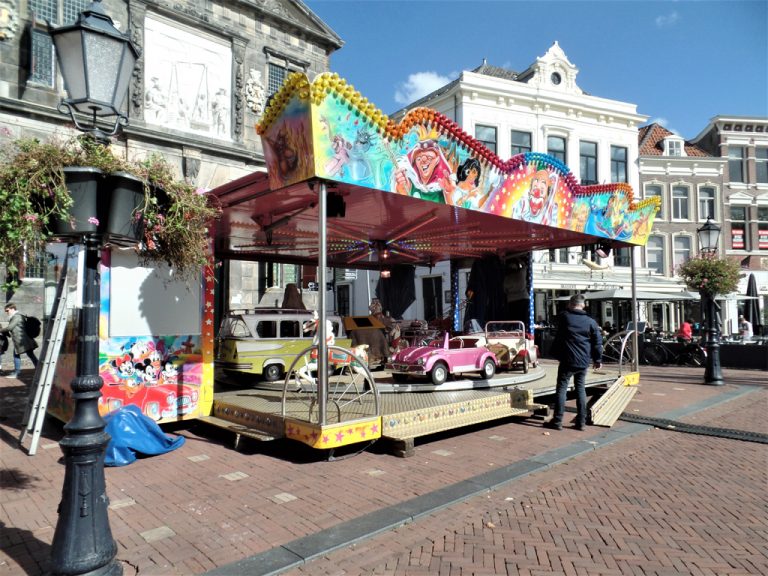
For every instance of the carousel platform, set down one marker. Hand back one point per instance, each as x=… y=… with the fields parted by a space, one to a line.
x=357 y=413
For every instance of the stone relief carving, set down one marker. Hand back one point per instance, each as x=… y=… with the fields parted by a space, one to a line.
x=191 y=166
x=239 y=56
x=137 y=13
x=9 y=20
x=274 y=6
x=254 y=92
x=188 y=80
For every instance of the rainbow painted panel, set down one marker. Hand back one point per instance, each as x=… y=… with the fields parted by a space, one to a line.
x=428 y=156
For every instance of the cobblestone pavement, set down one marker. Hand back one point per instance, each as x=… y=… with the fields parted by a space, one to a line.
x=656 y=502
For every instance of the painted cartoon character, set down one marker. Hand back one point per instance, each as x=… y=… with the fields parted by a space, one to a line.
x=340 y=158
x=424 y=173
x=124 y=367
x=612 y=224
x=467 y=193
x=170 y=372
x=538 y=206
x=151 y=373
x=285 y=152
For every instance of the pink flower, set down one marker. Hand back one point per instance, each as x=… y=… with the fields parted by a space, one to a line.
x=31 y=217
x=93 y=220
x=201 y=191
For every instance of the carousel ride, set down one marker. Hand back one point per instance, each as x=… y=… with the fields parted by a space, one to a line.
x=347 y=187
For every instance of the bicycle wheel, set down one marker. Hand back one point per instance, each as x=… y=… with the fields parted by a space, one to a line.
x=694 y=356
x=654 y=354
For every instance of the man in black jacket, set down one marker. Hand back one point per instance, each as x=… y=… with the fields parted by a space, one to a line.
x=578 y=343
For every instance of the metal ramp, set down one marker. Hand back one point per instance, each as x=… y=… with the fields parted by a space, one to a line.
x=612 y=403
x=37 y=404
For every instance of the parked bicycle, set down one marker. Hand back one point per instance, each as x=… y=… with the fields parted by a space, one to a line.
x=658 y=354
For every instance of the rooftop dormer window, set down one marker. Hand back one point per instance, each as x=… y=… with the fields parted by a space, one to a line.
x=673 y=147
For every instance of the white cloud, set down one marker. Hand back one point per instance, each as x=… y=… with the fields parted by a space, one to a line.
x=661 y=121
x=419 y=84
x=667 y=19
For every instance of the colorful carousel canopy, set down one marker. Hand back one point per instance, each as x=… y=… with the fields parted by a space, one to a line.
x=416 y=192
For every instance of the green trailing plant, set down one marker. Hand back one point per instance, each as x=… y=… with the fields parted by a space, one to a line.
x=33 y=191
x=710 y=274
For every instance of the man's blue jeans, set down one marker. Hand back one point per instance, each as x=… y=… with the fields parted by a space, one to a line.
x=564 y=374
x=17 y=360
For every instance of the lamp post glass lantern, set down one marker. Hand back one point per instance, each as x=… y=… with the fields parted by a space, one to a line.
x=709 y=235
x=96 y=62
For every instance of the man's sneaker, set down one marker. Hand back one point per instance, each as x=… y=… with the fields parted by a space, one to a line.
x=580 y=427
x=552 y=425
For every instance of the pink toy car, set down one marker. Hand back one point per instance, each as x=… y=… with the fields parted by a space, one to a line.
x=443 y=357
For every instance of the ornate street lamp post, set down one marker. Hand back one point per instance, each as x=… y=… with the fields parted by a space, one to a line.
x=709 y=235
x=96 y=62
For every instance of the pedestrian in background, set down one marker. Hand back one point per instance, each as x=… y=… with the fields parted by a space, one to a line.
x=578 y=343
x=745 y=329
x=22 y=342
x=685 y=332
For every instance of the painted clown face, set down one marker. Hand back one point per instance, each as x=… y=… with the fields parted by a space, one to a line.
x=538 y=193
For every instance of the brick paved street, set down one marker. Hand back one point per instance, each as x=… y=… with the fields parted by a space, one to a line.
x=655 y=502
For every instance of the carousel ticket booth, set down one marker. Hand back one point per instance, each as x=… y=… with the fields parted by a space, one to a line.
x=346 y=187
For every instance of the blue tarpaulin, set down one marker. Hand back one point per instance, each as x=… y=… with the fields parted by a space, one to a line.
x=132 y=432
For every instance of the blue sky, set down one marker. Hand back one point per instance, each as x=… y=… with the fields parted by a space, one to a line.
x=681 y=62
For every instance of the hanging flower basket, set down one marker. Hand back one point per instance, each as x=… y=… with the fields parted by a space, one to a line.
x=66 y=190
x=82 y=216
x=710 y=275
x=124 y=223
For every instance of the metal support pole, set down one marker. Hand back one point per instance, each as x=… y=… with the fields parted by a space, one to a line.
x=322 y=345
x=635 y=339
x=82 y=542
x=712 y=374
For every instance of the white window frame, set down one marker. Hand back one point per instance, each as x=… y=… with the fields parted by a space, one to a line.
x=495 y=135
x=662 y=249
x=664 y=205
x=674 y=147
x=674 y=204
x=700 y=213
x=675 y=237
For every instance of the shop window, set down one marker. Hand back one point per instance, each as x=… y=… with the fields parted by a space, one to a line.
x=762 y=227
x=42 y=64
x=652 y=190
x=680 y=201
x=737 y=159
x=761 y=165
x=682 y=252
x=588 y=162
x=655 y=253
x=739 y=240
x=618 y=164
x=521 y=142
x=706 y=203
x=486 y=135
x=556 y=148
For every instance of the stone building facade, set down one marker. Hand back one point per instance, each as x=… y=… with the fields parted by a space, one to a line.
x=198 y=88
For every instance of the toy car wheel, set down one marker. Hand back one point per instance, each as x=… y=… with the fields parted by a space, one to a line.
x=439 y=373
x=525 y=364
x=489 y=368
x=273 y=372
x=397 y=377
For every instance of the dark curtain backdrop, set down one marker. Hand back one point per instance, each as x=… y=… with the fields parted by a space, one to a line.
x=398 y=291
x=486 y=283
